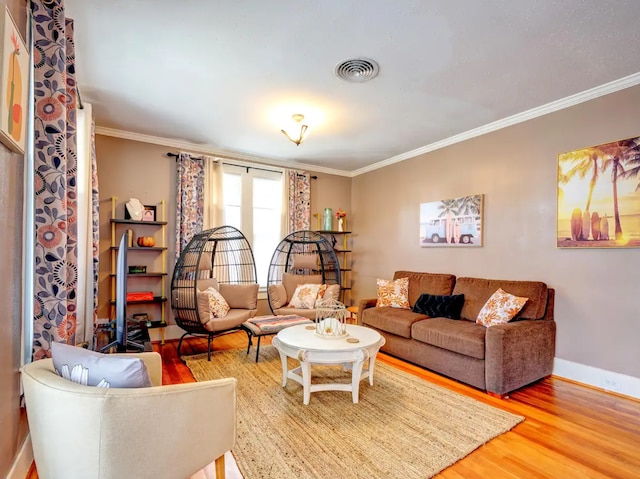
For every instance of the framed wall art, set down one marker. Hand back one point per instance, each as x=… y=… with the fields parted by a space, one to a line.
x=599 y=196
x=454 y=222
x=14 y=77
x=149 y=213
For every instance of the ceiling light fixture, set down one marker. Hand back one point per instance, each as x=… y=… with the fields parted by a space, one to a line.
x=297 y=129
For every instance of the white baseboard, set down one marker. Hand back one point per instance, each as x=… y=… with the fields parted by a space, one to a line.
x=172 y=331
x=600 y=378
x=22 y=463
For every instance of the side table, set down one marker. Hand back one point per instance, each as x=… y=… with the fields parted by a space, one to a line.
x=353 y=314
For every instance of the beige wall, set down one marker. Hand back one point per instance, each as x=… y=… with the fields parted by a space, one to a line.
x=12 y=419
x=12 y=422
x=597 y=311
x=329 y=191
x=134 y=169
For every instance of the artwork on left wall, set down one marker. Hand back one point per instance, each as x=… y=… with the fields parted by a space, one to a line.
x=453 y=222
x=14 y=77
x=599 y=196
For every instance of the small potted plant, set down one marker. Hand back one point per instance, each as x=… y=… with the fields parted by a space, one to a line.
x=341 y=217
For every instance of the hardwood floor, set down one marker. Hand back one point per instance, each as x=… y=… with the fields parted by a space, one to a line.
x=570 y=431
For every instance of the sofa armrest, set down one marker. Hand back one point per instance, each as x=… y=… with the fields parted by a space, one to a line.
x=518 y=353
x=201 y=417
x=366 y=303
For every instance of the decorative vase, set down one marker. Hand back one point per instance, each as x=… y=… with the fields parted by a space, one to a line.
x=328 y=219
x=340 y=224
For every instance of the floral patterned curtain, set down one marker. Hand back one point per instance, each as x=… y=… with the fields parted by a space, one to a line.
x=55 y=177
x=189 y=199
x=299 y=200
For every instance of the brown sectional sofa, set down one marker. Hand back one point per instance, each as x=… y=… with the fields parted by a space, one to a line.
x=498 y=359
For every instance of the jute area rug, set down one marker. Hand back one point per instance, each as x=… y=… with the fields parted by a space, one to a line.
x=402 y=427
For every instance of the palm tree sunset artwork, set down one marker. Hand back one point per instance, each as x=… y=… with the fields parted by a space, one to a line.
x=452 y=222
x=599 y=196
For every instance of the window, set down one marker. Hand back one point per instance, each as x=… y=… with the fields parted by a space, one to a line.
x=252 y=202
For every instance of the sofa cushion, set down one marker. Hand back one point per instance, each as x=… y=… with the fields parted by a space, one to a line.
x=431 y=283
x=478 y=290
x=439 y=306
x=391 y=320
x=393 y=293
x=463 y=337
x=240 y=296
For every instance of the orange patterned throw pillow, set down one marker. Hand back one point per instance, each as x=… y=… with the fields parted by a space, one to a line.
x=393 y=293
x=500 y=308
x=218 y=306
x=304 y=297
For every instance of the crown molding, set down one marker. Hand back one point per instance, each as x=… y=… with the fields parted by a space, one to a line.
x=211 y=151
x=593 y=93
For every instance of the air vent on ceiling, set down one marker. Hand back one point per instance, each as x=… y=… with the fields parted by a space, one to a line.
x=357 y=70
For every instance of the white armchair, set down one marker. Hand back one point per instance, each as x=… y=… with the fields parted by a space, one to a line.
x=160 y=432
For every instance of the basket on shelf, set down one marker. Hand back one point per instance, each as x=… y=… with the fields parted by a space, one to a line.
x=331 y=319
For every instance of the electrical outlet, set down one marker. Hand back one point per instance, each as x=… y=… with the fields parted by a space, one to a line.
x=611 y=384
x=102 y=321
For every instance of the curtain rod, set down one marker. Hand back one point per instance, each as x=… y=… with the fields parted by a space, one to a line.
x=175 y=155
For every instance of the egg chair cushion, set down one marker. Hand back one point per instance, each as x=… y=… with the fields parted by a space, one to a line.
x=277 y=296
x=233 y=319
x=305 y=261
x=292 y=281
x=183 y=288
x=203 y=265
x=240 y=296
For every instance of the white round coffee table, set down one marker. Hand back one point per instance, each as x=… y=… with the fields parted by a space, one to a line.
x=303 y=344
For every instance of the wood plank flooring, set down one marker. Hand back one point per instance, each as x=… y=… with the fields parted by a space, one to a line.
x=570 y=431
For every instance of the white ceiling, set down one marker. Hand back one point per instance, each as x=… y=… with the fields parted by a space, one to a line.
x=225 y=74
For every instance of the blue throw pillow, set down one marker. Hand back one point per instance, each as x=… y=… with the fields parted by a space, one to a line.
x=436 y=306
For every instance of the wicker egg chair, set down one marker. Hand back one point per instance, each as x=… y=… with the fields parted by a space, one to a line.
x=301 y=257
x=220 y=258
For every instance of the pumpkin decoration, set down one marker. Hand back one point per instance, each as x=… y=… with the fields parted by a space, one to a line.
x=146 y=241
